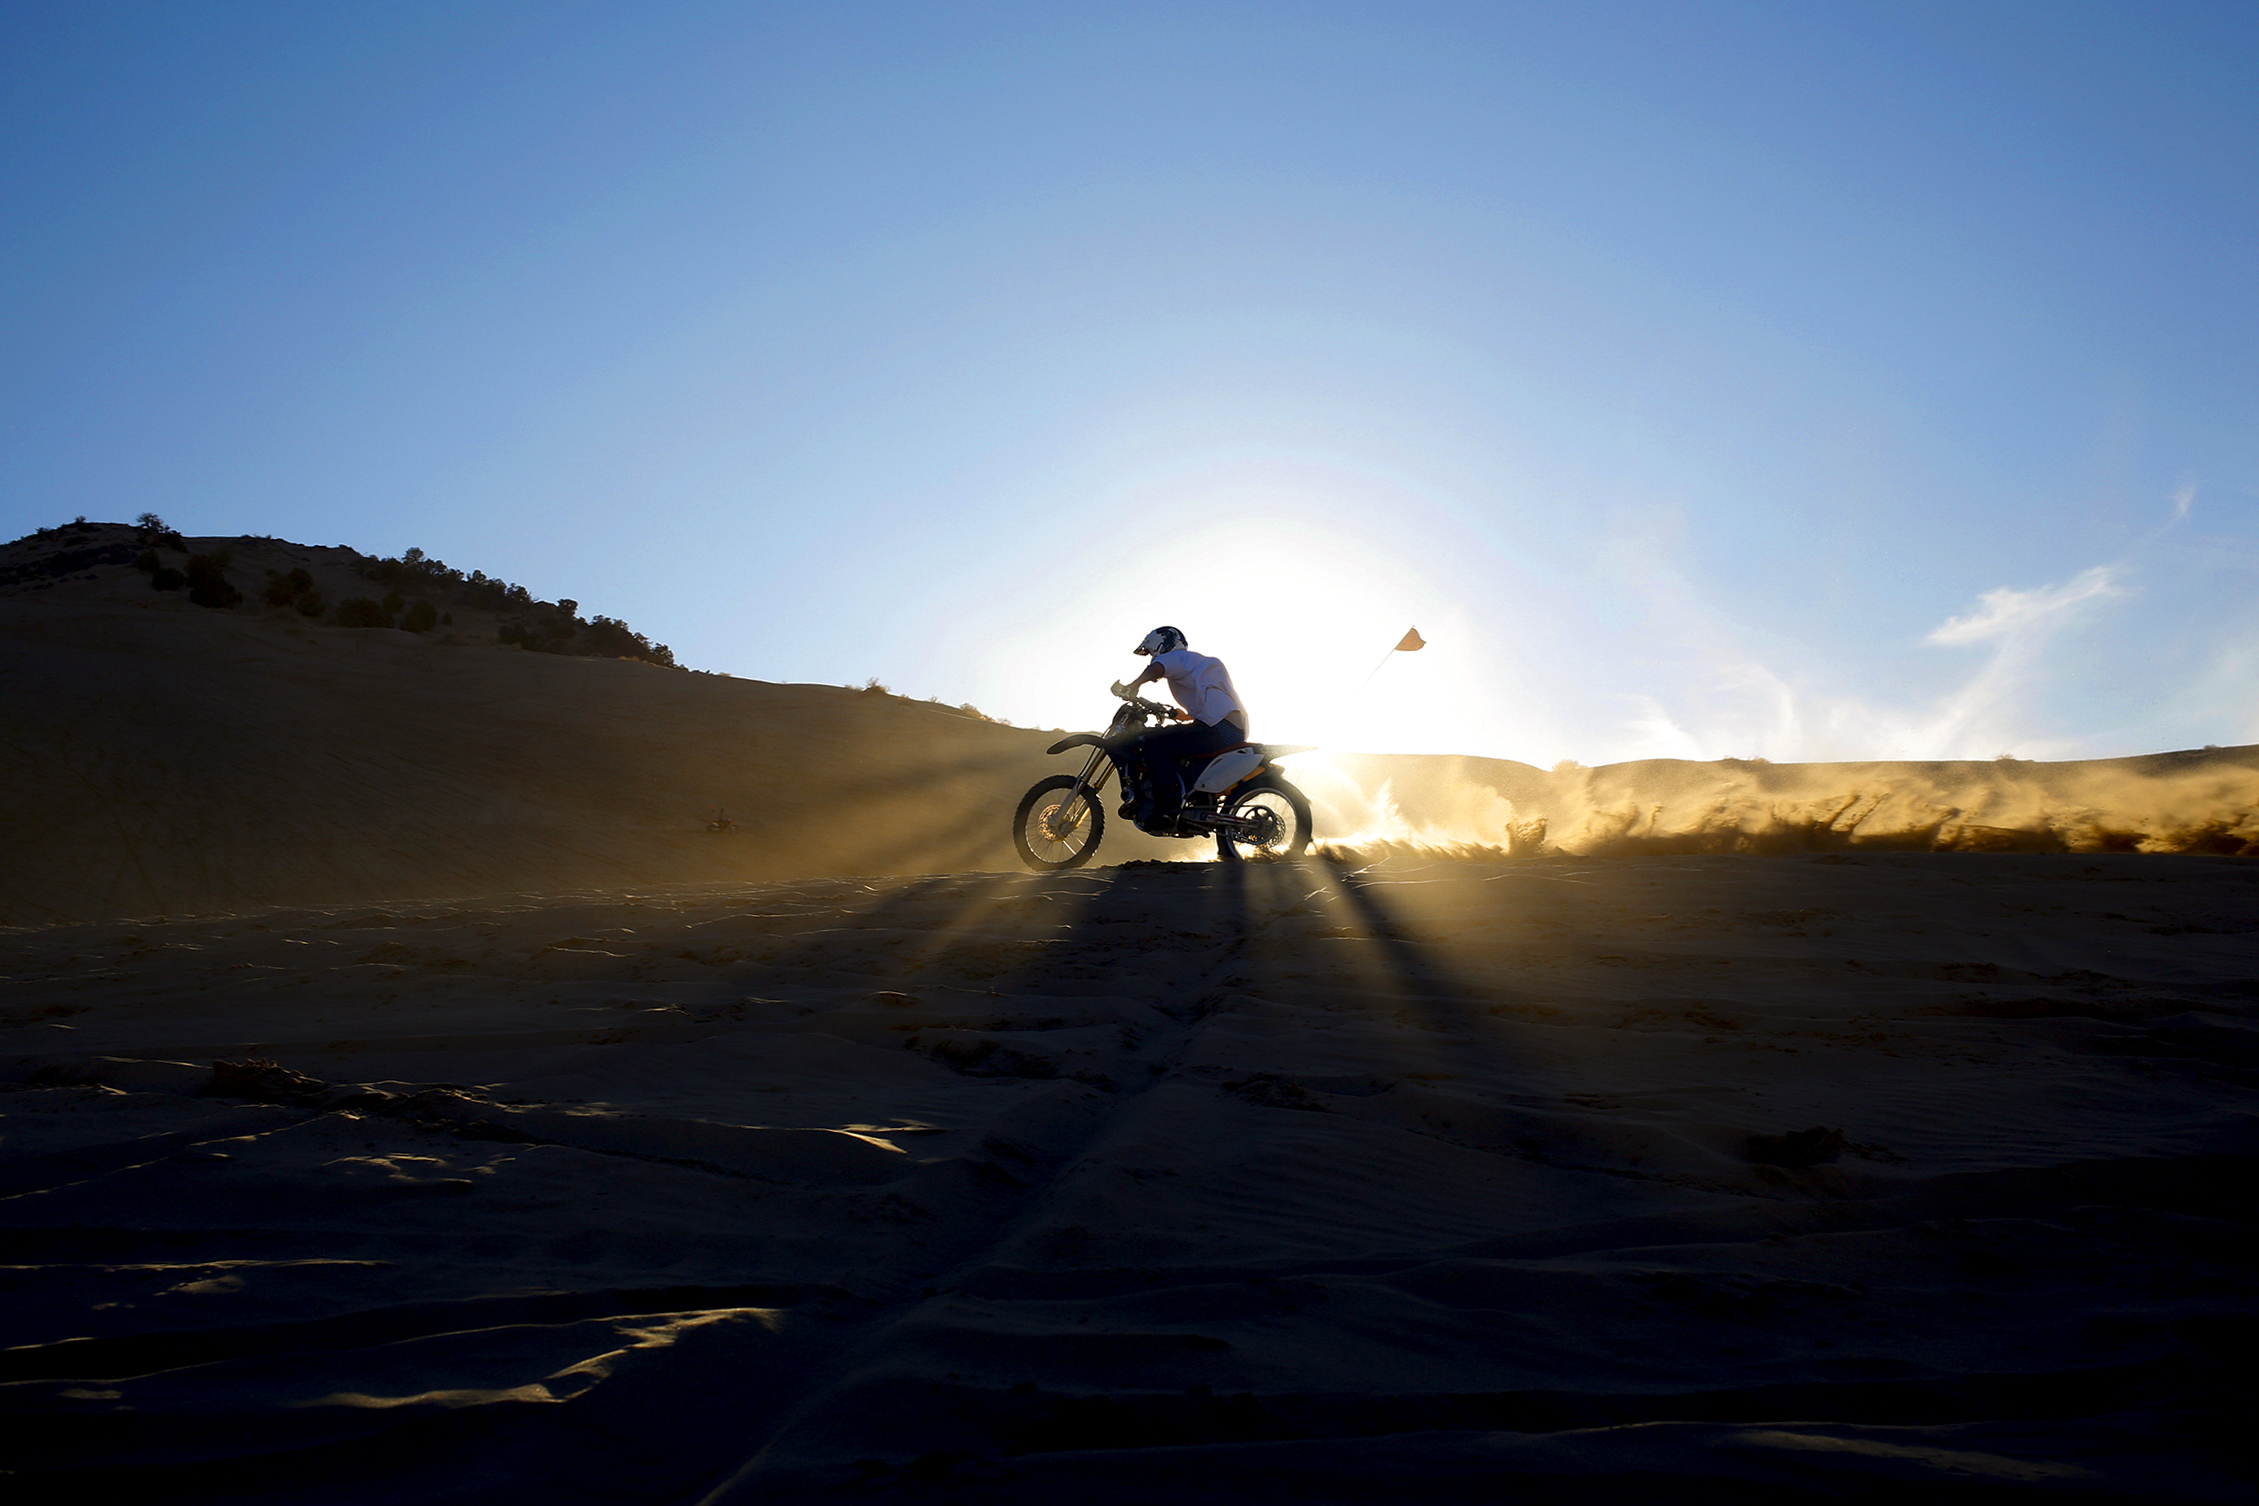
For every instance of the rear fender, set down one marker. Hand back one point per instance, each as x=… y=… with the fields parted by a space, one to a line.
x=1229 y=770
x=1267 y=774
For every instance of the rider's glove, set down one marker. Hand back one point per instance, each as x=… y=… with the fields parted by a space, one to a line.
x=1120 y=690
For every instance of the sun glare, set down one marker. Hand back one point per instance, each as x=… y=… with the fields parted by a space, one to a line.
x=1306 y=617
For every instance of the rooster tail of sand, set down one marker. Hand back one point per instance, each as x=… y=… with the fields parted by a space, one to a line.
x=1458 y=818
x=2204 y=802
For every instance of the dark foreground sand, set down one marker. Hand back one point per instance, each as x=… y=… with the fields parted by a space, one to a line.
x=1297 y=1183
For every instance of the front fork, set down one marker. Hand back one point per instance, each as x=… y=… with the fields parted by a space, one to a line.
x=1093 y=778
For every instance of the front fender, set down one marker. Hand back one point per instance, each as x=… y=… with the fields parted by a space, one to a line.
x=1079 y=740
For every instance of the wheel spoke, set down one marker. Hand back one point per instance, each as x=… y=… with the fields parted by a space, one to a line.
x=1057 y=830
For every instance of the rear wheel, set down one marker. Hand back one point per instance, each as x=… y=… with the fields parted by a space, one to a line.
x=1055 y=828
x=1278 y=820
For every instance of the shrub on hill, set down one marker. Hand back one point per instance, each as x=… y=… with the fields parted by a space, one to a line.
x=286 y=590
x=361 y=611
x=208 y=585
x=613 y=639
x=166 y=578
x=544 y=627
x=154 y=531
x=421 y=618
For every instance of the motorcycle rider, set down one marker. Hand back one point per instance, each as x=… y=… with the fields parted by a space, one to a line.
x=1213 y=715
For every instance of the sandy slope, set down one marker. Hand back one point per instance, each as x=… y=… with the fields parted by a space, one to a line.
x=163 y=759
x=1156 y=1183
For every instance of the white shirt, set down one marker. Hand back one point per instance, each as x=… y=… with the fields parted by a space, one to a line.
x=1202 y=686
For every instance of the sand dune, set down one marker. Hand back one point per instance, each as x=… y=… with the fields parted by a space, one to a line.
x=164 y=759
x=403 y=1096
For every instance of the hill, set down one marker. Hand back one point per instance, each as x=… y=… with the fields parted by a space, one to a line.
x=336 y=585
x=163 y=756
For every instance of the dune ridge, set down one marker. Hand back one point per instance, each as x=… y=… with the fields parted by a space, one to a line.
x=165 y=759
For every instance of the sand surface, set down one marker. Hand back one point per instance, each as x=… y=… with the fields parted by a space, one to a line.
x=404 y=1096
x=1445 y=1181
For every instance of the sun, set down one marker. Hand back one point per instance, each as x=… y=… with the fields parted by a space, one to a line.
x=1305 y=619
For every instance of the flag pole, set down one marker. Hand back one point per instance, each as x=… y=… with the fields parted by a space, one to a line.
x=1409 y=643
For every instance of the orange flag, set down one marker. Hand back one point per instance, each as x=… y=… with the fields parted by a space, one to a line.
x=1411 y=642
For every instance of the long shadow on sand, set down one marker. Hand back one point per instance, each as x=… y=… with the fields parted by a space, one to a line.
x=1184 y=1182
x=1358 y=1226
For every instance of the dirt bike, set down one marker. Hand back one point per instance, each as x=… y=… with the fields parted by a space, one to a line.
x=1235 y=796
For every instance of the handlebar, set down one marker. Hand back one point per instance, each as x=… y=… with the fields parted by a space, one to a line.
x=1150 y=708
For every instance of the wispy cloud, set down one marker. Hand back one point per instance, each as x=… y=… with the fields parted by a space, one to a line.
x=1704 y=694
x=1737 y=706
x=2010 y=613
x=2183 y=500
x=1986 y=714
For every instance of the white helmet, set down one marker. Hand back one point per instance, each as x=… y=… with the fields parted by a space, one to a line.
x=1162 y=640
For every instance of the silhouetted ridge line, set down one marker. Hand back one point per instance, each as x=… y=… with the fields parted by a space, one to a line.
x=419 y=594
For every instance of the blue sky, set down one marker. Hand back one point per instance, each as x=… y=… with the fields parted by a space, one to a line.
x=1723 y=380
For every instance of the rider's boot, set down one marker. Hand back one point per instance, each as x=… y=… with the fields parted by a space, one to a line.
x=1163 y=803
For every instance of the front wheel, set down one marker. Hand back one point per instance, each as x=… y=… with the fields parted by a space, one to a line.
x=1278 y=820
x=1049 y=834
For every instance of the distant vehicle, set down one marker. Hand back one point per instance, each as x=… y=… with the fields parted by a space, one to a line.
x=719 y=822
x=1235 y=797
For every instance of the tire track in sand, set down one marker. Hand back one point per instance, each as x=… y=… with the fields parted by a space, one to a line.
x=1246 y=902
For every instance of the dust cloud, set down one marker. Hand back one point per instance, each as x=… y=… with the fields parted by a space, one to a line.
x=2198 y=802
